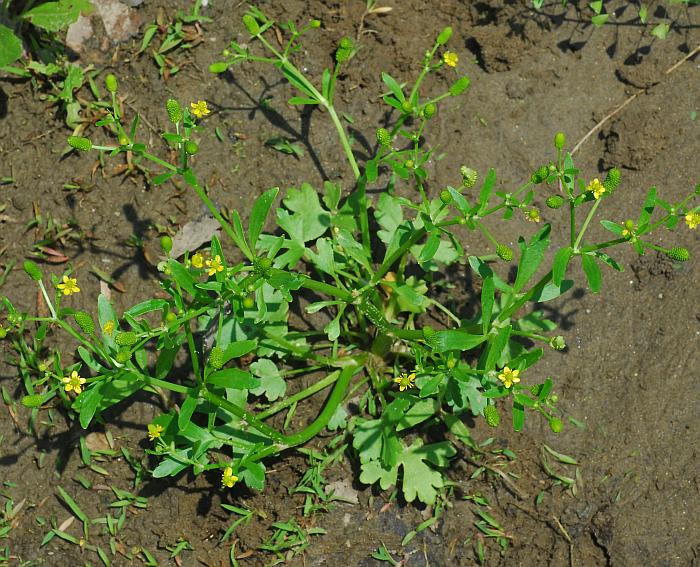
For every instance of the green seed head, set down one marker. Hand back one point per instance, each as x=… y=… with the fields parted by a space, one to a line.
x=559 y=140
x=344 y=51
x=127 y=338
x=444 y=36
x=679 y=254
x=555 y=201
x=383 y=137
x=345 y=43
x=111 y=83
x=85 y=322
x=445 y=196
x=504 y=253
x=557 y=343
x=191 y=148
x=612 y=180
x=174 y=111
x=429 y=110
x=80 y=143
x=492 y=416
x=459 y=86
x=216 y=358
x=556 y=424
x=540 y=175
x=32 y=270
x=469 y=176
x=251 y=24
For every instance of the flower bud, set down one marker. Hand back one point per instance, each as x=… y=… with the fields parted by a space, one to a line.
x=174 y=111
x=504 y=253
x=191 y=148
x=262 y=266
x=111 y=83
x=85 y=322
x=445 y=196
x=540 y=175
x=383 y=137
x=612 y=179
x=444 y=36
x=679 y=254
x=166 y=244
x=123 y=356
x=557 y=343
x=429 y=110
x=492 y=416
x=555 y=201
x=556 y=424
x=123 y=140
x=216 y=358
x=559 y=140
x=315 y=24
x=458 y=87
x=32 y=270
x=406 y=107
x=248 y=303
x=469 y=176
x=251 y=24
x=80 y=143
x=127 y=338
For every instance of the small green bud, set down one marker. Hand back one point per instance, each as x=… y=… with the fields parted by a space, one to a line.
x=451 y=362
x=679 y=254
x=612 y=180
x=492 y=416
x=556 y=424
x=535 y=389
x=469 y=176
x=166 y=244
x=32 y=270
x=191 y=148
x=123 y=356
x=429 y=110
x=80 y=143
x=383 y=137
x=555 y=201
x=32 y=401
x=459 y=86
x=428 y=332
x=444 y=36
x=250 y=288
x=504 y=253
x=262 y=266
x=559 y=140
x=409 y=164
x=554 y=398
x=3 y=333
x=557 y=343
x=170 y=318
x=315 y=24
x=127 y=338
x=445 y=196
x=406 y=107
x=123 y=141
x=216 y=358
x=540 y=175
x=345 y=43
x=111 y=83
x=85 y=322
x=251 y=24
x=174 y=110
x=248 y=302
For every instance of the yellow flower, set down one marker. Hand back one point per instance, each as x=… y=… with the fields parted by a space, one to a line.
x=509 y=377
x=154 y=431
x=69 y=286
x=228 y=479
x=200 y=108
x=533 y=215
x=197 y=260
x=692 y=220
x=450 y=58
x=108 y=328
x=405 y=381
x=73 y=382
x=214 y=265
x=597 y=187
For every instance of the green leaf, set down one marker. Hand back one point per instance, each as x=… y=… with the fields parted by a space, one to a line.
x=186 y=411
x=643 y=13
x=373 y=471
x=301 y=100
x=258 y=215
x=182 y=276
x=253 y=474
x=238 y=349
x=613 y=227
x=603 y=257
x=531 y=257
x=234 y=378
x=10 y=46
x=488 y=291
x=597 y=6
x=54 y=16
x=452 y=339
x=394 y=87
x=648 y=207
x=518 y=416
x=107 y=316
x=418 y=413
x=552 y=291
x=271 y=382
x=660 y=30
x=419 y=479
x=486 y=189
x=560 y=263
x=308 y=220
x=592 y=271
x=89 y=401
x=599 y=20
x=146 y=307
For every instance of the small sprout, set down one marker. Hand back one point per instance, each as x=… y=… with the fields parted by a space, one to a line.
x=509 y=377
x=174 y=111
x=80 y=143
x=383 y=137
x=111 y=83
x=69 y=286
x=73 y=382
x=555 y=201
x=559 y=140
x=493 y=418
x=459 y=86
x=504 y=252
x=228 y=479
x=450 y=59
x=405 y=381
x=200 y=108
x=214 y=265
x=154 y=431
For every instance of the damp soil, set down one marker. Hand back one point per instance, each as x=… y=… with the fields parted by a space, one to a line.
x=628 y=377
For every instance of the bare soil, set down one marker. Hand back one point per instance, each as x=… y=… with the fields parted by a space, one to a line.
x=630 y=371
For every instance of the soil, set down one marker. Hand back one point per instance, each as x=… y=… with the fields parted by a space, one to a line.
x=627 y=376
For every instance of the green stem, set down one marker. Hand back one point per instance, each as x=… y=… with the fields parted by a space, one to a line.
x=572 y=222
x=585 y=225
x=305 y=393
x=523 y=299
x=601 y=245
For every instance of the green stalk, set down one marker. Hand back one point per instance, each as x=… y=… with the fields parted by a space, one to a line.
x=311 y=390
x=585 y=224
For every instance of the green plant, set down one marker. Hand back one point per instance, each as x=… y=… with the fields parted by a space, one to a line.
x=229 y=309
